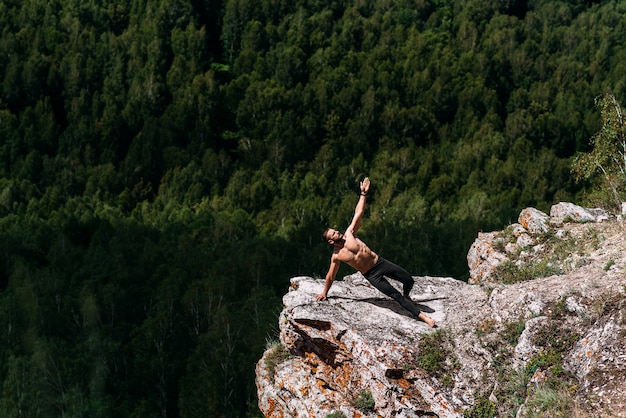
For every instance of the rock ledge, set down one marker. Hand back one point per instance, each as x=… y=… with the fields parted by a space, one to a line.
x=563 y=333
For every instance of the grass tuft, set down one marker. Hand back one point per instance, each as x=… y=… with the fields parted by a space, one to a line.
x=364 y=401
x=276 y=354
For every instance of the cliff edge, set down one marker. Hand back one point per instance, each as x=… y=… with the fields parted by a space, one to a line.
x=539 y=330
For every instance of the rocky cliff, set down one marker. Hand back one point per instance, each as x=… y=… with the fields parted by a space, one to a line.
x=539 y=330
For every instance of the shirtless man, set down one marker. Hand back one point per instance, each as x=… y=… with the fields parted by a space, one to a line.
x=352 y=251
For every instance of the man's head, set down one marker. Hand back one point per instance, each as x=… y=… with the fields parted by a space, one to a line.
x=331 y=236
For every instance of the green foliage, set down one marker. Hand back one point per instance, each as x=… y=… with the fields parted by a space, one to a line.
x=554 y=396
x=512 y=331
x=508 y=272
x=512 y=391
x=436 y=356
x=547 y=401
x=336 y=414
x=608 y=154
x=555 y=386
x=482 y=408
x=554 y=252
x=557 y=337
x=276 y=353
x=364 y=401
x=543 y=360
x=166 y=166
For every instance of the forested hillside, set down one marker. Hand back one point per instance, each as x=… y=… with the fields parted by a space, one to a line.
x=167 y=165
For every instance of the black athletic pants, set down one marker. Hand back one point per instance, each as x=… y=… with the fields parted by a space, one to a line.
x=376 y=276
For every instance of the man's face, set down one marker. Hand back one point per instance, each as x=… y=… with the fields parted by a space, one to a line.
x=333 y=235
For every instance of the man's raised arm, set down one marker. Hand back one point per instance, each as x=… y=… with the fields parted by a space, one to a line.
x=359 y=210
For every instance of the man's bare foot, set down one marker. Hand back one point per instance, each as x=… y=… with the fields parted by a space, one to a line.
x=429 y=321
x=422 y=315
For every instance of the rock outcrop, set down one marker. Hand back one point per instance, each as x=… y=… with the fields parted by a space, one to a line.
x=526 y=242
x=533 y=346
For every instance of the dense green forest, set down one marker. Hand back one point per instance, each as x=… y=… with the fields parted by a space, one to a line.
x=167 y=165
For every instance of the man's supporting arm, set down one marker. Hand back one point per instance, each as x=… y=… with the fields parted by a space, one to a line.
x=330 y=277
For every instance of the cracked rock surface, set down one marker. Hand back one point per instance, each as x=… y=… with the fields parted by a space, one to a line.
x=489 y=333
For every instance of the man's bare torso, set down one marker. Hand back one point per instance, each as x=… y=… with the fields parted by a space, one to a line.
x=355 y=253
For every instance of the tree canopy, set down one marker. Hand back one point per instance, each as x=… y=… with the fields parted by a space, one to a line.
x=167 y=166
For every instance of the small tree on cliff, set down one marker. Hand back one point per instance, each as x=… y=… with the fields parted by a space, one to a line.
x=608 y=156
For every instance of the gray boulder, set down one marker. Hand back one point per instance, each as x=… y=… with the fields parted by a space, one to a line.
x=544 y=346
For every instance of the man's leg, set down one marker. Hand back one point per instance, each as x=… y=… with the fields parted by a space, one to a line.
x=396 y=272
x=380 y=283
x=393 y=271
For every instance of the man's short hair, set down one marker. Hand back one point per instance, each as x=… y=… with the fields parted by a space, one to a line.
x=324 y=237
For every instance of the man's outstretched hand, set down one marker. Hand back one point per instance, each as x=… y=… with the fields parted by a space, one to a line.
x=321 y=296
x=365 y=185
